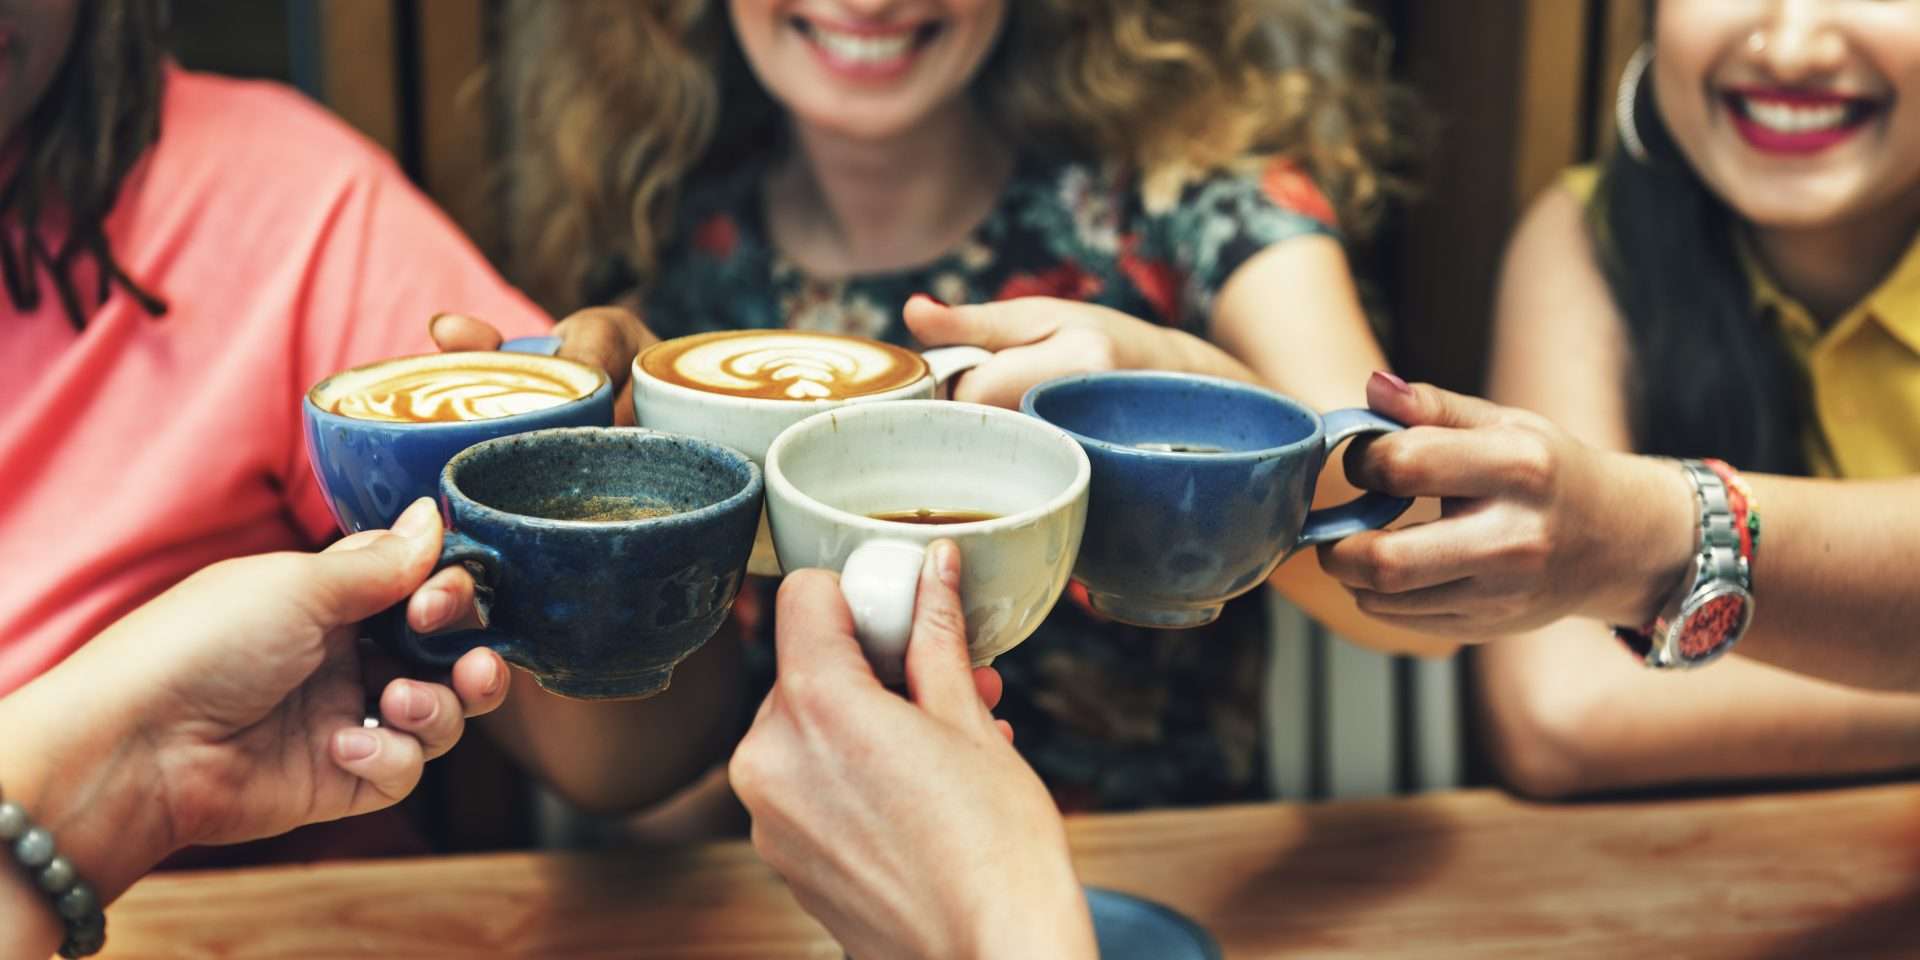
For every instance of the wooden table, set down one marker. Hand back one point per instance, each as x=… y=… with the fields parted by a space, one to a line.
x=1473 y=874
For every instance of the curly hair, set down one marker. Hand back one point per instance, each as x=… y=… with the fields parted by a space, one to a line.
x=617 y=102
x=94 y=122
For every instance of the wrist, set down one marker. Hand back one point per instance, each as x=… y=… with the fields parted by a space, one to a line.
x=1659 y=542
x=1043 y=914
x=90 y=776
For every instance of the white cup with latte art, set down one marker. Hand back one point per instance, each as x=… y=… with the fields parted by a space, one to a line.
x=741 y=388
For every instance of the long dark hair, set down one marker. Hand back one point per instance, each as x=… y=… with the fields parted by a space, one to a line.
x=1707 y=377
x=96 y=119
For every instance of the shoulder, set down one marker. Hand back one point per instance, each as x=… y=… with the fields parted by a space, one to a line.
x=1580 y=182
x=260 y=142
x=1554 y=302
x=1554 y=234
x=1274 y=186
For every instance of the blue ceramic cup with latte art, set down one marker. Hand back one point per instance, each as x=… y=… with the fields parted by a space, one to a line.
x=742 y=388
x=379 y=435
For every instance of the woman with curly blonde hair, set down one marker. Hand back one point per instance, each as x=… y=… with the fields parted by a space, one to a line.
x=1089 y=183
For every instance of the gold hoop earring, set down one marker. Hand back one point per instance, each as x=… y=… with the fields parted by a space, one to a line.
x=1624 y=99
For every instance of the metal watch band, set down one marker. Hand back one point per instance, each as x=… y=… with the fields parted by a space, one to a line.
x=1715 y=603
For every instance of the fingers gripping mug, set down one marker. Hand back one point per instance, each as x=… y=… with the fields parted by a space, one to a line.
x=863 y=489
x=1201 y=487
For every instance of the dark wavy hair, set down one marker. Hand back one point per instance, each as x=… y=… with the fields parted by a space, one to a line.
x=1707 y=375
x=93 y=123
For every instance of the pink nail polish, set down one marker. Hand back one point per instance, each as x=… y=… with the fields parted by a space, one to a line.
x=1398 y=385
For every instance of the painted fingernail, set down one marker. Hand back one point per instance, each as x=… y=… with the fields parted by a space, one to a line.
x=1398 y=385
x=418 y=520
x=928 y=296
x=415 y=704
x=354 y=745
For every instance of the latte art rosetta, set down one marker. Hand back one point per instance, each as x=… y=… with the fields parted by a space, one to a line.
x=788 y=366
x=454 y=394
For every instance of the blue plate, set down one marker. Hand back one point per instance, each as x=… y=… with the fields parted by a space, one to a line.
x=1129 y=928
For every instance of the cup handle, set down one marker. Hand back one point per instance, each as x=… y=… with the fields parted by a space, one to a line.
x=544 y=346
x=442 y=650
x=1369 y=511
x=949 y=362
x=881 y=581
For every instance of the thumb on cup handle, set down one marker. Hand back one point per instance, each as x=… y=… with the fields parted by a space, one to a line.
x=880 y=581
x=947 y=363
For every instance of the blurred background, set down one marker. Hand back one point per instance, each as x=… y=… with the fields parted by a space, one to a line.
x=1517 y=90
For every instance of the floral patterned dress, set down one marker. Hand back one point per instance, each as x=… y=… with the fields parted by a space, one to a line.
x=1113 y=717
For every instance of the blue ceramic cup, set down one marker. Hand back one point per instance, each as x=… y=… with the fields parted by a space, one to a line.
x=370 y=469
x=603 y=556
x=1201 y=487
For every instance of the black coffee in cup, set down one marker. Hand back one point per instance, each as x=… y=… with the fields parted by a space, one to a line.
x=934 y=517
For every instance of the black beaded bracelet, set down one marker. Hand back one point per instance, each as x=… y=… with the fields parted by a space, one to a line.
x=75 y=902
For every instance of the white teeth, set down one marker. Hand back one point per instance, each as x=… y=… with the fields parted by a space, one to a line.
x=1794 y=118
x=861 y=48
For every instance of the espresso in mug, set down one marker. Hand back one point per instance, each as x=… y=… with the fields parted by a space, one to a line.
x=454 y=387
x=783 y=365
x=934 y=517
x=1168 y=446
x=598 y=508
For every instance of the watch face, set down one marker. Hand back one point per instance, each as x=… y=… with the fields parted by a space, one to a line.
x=1711 y=622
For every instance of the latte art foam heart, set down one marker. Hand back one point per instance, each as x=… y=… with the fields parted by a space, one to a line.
x=784 y=365
x=451 y=388
x=445 y=395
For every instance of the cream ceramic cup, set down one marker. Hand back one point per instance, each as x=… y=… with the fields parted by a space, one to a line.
x=830 y=473
x=741 y=388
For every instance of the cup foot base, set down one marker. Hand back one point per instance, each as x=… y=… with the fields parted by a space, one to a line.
x=1139 y=614
x=636 y=686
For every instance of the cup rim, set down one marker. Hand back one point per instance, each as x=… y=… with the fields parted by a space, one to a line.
x=776 y=478
x=450 y=488
x=1109 y=447
x=603 y=386
x=639 y=372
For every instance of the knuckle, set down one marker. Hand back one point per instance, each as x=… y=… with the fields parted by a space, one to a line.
x=1394 y=466
x=1533 y=466
x=1383 y=566
x=1528 y=551
x=747 y=773
x=805 y=695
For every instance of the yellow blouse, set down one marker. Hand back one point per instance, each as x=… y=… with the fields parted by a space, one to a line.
x=1863 y=372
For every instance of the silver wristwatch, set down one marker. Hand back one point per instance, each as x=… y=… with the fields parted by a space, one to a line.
x=1715 y=605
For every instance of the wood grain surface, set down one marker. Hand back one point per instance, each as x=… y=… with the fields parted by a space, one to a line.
x=1470 y=874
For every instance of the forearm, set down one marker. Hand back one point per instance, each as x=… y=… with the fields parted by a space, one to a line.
x=81 y=771
x=1837 y=580
x=1567 y=711
x=622 y=756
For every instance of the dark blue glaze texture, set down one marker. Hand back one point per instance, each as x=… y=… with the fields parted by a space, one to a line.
x=602 y=609
x=1171 y=536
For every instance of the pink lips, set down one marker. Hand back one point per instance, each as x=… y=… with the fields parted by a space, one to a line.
x=1749 y=106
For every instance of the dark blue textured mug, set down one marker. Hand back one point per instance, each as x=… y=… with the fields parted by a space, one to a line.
x=602 y=556
x=371 y=469
x=1201 y=487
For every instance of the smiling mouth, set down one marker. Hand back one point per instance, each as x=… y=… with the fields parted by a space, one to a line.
x=1799 y=121
x=868 y=50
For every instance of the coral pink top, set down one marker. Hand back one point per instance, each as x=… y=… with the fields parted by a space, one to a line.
x=141 y=449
